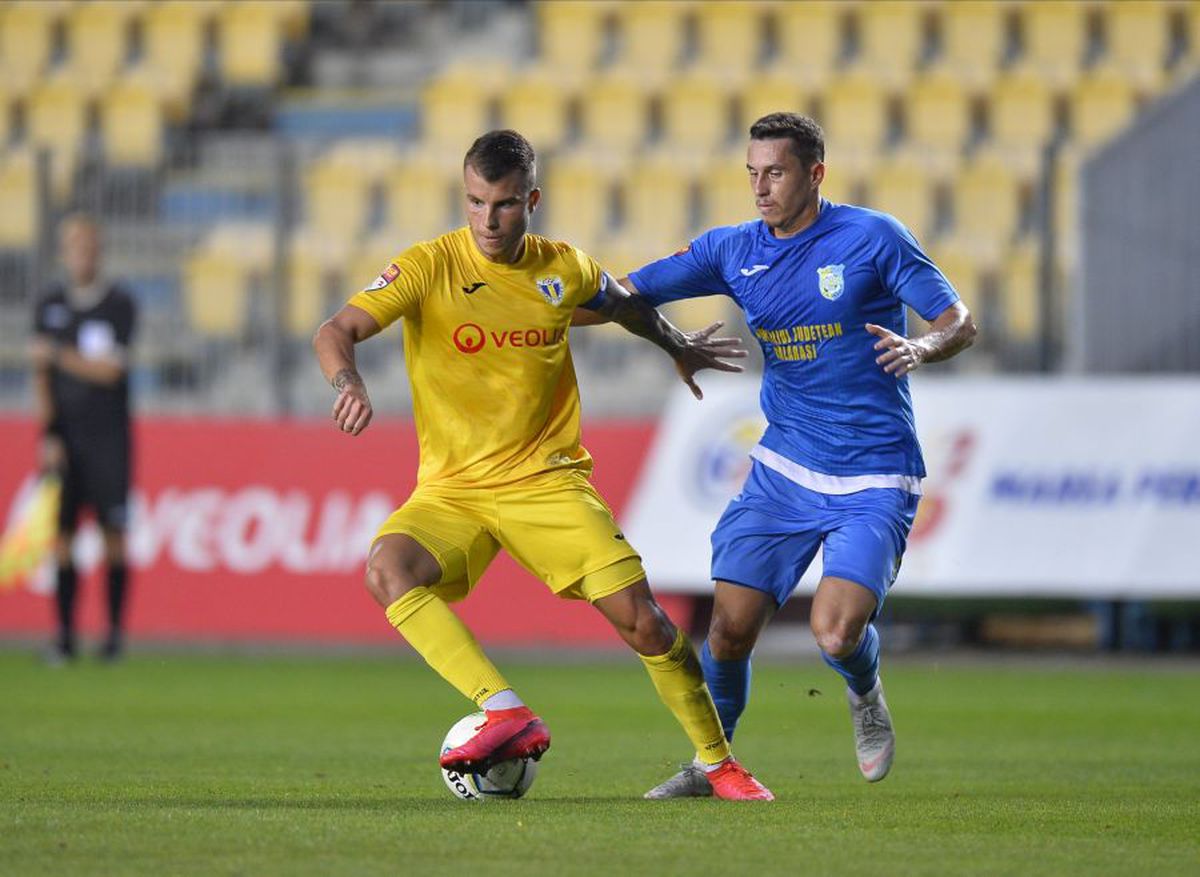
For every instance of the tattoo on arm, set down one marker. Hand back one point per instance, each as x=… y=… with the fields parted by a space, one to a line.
x=638 y=316
x=345 y=378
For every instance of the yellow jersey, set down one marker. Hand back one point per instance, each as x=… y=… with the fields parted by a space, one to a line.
x=494 y=393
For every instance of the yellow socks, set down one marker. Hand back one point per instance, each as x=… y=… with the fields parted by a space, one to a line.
x=680 y=683
x=438 y=635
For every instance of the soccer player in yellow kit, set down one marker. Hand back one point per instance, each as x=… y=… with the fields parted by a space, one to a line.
x=486 y=311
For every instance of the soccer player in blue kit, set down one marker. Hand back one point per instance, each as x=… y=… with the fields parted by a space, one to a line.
x=824 y=288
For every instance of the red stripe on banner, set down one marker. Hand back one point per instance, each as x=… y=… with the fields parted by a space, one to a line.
x=248 y=530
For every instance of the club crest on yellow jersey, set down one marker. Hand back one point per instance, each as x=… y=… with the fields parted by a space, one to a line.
x=831 y=281
x=551 y=289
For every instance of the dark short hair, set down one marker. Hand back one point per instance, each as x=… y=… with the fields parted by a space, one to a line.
x=808 y=140
x=497 y=154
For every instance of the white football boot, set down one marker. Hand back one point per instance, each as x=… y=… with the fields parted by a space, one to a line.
x=690 y=782
x=874 y=739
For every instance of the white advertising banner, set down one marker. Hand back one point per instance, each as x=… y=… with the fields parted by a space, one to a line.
x=1048 y=487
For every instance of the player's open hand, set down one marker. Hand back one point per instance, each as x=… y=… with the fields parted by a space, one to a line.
x=899 y=355
x=352 y=409
x=701 y=350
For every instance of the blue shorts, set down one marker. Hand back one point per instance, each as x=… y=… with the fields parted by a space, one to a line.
x=770 y=532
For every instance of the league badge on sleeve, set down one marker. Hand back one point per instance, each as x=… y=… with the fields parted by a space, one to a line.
x=831 y=281
x=551 y=289
x=389 y=274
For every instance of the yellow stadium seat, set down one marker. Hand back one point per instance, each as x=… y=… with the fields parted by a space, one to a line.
x=891 y=37
x=131 y=124
x=854 y=112
x=730 y=36
x=1022 y=112
x=218 y=275
x=776 y=91
x=251 y=44
x=700 y=313
x=420 y=196
x=1101 y=105
x=961 y=269
x=571 y=35
x=18 y=199
x=615 y=111
x=652 y=34
x=56 y=119
x=725 y=190
x=538 y=105
x=658 y=200
x=27 y=38
x=98 y=41
x=1055 y=38
x=456 y=107
x=1020 y=283
x=6 y=115
x=987 y=203
x=1066 y=206
x=695 y=112
x=314 y=262
x=173 y=41
x=577 y=194
x=337 y=199
x=1137 y=33
x=972 y=40
x=938 y=113
x=901 y=185
x=811 y=37
x=842 y=183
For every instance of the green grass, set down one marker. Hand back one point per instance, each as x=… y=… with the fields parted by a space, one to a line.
x=236 y=765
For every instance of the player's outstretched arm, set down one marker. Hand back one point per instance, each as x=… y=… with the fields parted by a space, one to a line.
x=951 y=332
x=334 y=346
x=692 y=351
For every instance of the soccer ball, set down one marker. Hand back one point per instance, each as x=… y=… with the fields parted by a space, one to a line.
x=508 y=779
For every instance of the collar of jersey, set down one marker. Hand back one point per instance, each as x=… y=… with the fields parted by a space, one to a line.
x=765 y=233
x=519 y=266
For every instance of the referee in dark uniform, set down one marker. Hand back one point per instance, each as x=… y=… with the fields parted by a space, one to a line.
x=82 y=333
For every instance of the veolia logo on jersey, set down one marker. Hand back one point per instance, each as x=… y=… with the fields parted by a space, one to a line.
x=471 y=338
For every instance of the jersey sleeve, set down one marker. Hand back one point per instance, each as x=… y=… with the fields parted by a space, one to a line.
x=908 y=273
x=591 y=281
x=399 y=290
x=693 y=272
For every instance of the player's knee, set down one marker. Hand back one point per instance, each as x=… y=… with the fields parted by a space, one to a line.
x=388 y=584
x=652 y=632
x=836 y=637
x=729 y=640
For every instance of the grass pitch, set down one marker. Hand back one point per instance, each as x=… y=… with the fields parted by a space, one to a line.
x=207 y=765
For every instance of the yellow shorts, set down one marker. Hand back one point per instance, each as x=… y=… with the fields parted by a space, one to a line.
x=555 y=525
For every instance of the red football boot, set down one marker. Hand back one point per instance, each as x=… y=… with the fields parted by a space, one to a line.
x=511 y=733
x=732 y=782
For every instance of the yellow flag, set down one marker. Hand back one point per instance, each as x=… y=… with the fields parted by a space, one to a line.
x=26 y=543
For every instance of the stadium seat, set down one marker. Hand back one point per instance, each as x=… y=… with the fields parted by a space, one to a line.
x=1020 y=282
x=252 y=34
x=811 y=37
x=615 y=111
x=652 y=35
x=1136 y=34
x=696 y=112
x=173 y=50
x=842 y=183
x=456 y=106
x=725 y=189
x=571 y=36
x=537 y=104
x=421 y=197
x=578 y=195
x=1102 y=103
x=960 y=268
x=337 y=192
x=891 y=35
x=700 y=312
x=901 y=185
x=27 y=39
x=938 y=115
x=657 y=198
x=972 y=40
x=19 y=215
x=1021 y=112
x=774 y=91
x=7 y=109
x=1055 y=40
x=730 y=36
x=131 y=124
x=56 y=119
x=1066 y=206
x=987 y=204
x=854 y=113
x=313 y=281
x=98 y=41
x=218 y=275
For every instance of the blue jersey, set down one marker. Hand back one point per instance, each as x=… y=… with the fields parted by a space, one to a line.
x=836 y=421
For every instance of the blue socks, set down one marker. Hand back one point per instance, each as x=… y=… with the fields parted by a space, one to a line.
x=729 y=684
x=860 y=668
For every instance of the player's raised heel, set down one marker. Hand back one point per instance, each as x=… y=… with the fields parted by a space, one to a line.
x=874 y=738
x=507 y=734
x=732 y=782
x=690 y=782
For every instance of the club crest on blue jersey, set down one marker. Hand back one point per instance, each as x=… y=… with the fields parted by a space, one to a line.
x=831 y=281
x=551 y=289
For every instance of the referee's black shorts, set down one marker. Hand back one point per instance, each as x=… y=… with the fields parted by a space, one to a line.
x=97 y=477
